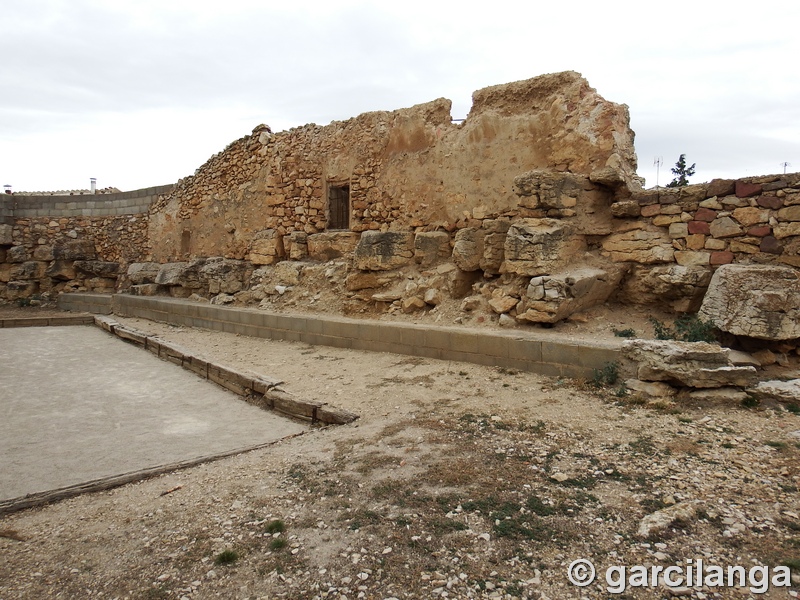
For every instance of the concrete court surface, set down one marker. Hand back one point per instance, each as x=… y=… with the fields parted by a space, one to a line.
x=77 y=404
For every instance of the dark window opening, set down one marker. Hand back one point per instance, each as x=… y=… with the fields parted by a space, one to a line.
x=339 y=207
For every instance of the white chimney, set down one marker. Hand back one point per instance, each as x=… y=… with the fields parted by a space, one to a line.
x=93 y=180
x=7 y=188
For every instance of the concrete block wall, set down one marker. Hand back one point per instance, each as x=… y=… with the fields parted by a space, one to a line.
x=5 y=210
x=526 y=351
x=89 y=205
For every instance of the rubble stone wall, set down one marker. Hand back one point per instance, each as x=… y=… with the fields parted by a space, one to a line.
x=410 y=169
x=56 y=243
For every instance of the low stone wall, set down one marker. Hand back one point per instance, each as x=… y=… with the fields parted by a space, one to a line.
x=517 y=350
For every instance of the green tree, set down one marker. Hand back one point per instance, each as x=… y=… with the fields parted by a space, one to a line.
x=681 y=172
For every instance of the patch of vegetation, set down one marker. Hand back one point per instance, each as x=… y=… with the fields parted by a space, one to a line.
x=625 y=333
x=364 y=517
x=608 y=375
x=275 y=526
x=792 y=563
x=686 y=328
x=443 y=526
x=751 y=402
x=515 y=528
x=484 y=505
x=793 y=408
x=226 y=557
x=585 y=483
x=277 y=544
x=538 y=507
x=776 y=444
x=644 y=445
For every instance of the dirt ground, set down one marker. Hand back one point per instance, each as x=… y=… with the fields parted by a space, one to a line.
x=457 y=481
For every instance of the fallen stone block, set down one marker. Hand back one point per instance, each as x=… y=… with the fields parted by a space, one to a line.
x=779 y=391
x=728 y=395
x=651 y=389
x=660 y=520
x=551 y=299
x=687 y=364
x=760 y=301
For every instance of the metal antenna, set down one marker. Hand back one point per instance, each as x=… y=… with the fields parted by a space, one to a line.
x=784 y=165
x=657 y=162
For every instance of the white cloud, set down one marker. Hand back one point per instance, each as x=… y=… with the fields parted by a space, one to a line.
x=140 y=93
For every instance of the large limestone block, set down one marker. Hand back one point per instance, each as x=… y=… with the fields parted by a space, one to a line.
x=640 y=246
x=540 y=247
x=332 y=244
x=431 y=247
x=760 y=301
x=16 y=290
x=383 y=250
x=30 y=269
x=181 y=274
x=61 y=270
x=679 y=287
x=5 y=234
x=143 y=273
x=780 y=391
x=494 y=243
x=468 y=248
x=17 y=254
x=296 y=245
x=223 y=275
x=98 y=268
x=689 y=364
x=75 y=250
x=551 y=299
x=266 y=248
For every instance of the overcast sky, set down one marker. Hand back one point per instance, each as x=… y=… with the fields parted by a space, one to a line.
x=141 y=93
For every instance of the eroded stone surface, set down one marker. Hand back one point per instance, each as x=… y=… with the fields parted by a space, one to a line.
x=760 y=301
x=689 y=364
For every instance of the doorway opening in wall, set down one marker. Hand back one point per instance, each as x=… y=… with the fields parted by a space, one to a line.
x=339 y=206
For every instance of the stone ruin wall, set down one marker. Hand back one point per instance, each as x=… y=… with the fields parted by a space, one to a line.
x=54 y=244
x=411 y=169
x=532 y=206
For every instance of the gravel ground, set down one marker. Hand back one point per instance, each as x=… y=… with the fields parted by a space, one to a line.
x=458 y=481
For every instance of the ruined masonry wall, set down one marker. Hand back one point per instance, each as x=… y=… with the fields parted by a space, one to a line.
x=409 y=169
x=53 y=244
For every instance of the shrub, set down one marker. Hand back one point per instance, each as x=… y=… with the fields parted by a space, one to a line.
x=226 y=557
x=686 y=328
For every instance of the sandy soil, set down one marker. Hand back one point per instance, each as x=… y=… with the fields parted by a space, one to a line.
x=458 y=481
